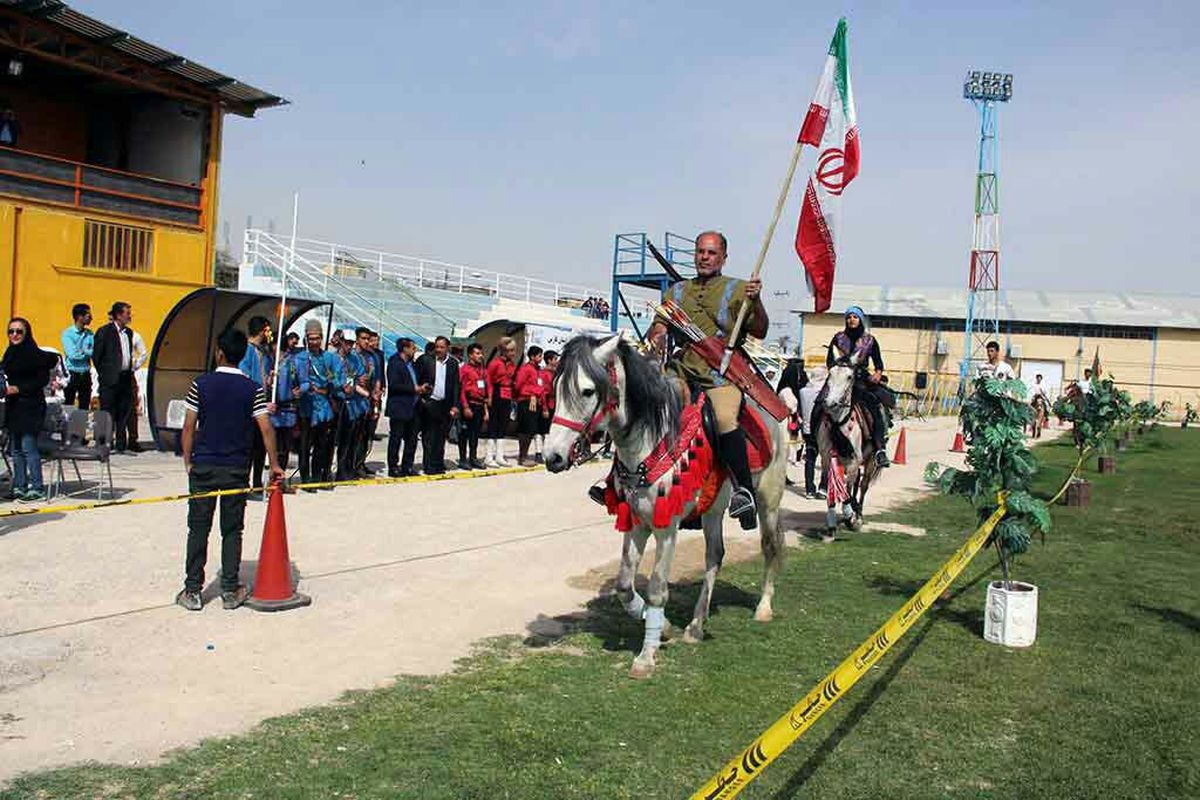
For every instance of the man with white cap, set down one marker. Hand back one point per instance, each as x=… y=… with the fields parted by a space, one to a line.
x=318 y=376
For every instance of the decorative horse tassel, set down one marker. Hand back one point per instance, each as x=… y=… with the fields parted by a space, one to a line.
x=611 y=501
x=624 y=517
x=675 y=498
x=662 y=509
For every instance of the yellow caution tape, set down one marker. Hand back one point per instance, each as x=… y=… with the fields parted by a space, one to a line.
x=166 y=498
x=750 y=763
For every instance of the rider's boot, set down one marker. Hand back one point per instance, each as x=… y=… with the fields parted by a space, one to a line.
x=732 y=447
x=879 y=434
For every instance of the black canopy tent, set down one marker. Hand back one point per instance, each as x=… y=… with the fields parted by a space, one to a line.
x=187 y=342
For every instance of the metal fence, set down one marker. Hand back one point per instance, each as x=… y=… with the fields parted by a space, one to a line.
x=423 y=273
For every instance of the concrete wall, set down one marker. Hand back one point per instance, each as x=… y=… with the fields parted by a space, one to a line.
x=53 y=123
x=166 y=140
x=1170 y=371
x=42 y=276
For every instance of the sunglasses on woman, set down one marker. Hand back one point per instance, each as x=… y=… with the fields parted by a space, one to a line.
x=16 y=332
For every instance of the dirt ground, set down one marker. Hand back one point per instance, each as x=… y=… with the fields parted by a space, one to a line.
x=96 y=663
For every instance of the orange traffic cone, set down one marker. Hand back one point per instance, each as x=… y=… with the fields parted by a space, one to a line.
x=901 y=456
x=273 y=580
x=957 y=447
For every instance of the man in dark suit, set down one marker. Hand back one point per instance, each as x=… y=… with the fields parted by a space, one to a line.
x=404 y=389
x=112 y=354
x=439 y=404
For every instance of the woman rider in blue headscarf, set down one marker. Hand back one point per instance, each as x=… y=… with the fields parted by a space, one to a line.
x=868 y=389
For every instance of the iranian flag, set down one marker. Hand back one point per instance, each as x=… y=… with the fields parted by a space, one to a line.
x=830 y=126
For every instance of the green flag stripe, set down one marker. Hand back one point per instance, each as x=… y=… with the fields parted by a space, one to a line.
x=841 y=77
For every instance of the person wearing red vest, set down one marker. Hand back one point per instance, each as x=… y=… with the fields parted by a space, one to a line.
x=546 y=384
x=501 y=374
x=529 y=398
x=475 y=396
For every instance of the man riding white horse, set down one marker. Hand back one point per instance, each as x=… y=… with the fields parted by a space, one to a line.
x=713 y=300
x=855 y=343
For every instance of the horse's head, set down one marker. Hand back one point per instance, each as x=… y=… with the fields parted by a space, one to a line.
x=588 y=398
x=839 y=389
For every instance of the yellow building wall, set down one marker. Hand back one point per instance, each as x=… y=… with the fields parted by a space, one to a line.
x=1177 y=368
x=1166 y=371
x=42 y=273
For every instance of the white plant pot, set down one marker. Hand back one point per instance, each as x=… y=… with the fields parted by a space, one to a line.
x=1010 y=617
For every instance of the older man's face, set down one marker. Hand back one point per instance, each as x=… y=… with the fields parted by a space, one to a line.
x=710 y=255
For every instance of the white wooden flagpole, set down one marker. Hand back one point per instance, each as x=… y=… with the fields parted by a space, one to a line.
x=784 y=191
x=288 y=263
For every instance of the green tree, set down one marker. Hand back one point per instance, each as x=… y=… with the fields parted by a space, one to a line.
x=1095 y=415
x=993 y=419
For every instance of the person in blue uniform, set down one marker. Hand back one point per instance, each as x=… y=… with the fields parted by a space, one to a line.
x=319 y=376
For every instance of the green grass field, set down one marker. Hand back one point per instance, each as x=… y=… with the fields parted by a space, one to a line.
x=1105 y=704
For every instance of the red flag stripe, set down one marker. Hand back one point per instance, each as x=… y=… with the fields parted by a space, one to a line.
x=814 y=245
x=814 y=125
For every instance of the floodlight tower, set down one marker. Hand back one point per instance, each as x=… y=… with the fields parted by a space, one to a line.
x=985 y=90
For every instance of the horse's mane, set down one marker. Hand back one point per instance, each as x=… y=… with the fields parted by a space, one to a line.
x=646 y=389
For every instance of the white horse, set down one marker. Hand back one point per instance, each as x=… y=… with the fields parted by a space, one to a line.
x=604 y=385
x=843 y=429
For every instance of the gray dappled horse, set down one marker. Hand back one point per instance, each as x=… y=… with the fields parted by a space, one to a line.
x=843 y=430
x=604 y=385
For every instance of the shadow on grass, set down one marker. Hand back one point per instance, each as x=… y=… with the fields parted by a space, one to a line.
x=969 y=619
x=1181 y=618
x=796 y=782
x=605 y=618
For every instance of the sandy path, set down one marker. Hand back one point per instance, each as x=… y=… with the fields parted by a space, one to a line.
x=97 y=664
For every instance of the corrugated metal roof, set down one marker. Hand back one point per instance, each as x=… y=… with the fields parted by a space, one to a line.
x=239 y=97
x=1132 y=309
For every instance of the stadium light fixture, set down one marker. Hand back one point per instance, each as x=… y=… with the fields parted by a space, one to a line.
x=15 y=67
x=994 y=86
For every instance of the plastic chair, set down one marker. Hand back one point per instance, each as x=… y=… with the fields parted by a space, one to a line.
x=50 y=442
x=80 y=447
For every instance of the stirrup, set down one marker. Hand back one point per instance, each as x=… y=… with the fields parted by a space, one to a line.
x=743 y=508
x=881 y=458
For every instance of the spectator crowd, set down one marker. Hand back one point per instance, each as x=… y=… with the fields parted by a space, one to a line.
x=325 y=400
x=595 y=307
x=94 y=369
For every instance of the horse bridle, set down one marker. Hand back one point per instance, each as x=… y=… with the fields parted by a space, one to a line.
x=581 y=449
x=844 y=361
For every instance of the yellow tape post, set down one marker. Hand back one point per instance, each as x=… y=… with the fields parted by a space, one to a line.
x=751 y=762
x=167 y=498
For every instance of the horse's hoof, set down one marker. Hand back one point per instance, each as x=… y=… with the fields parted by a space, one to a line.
x=827 y=537
x=855 y=524
x=693 y=634
x=641 y=670
x=668 y=631
x=763 y=614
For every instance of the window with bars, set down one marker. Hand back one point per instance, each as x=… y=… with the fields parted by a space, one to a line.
x=122 y=248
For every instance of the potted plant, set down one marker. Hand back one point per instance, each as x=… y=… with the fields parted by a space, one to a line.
x=1095 y=415
x=1146 y=413
x=1189 y=415
x=994 y=417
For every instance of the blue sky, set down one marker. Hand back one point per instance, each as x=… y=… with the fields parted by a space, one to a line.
x=522 y=136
